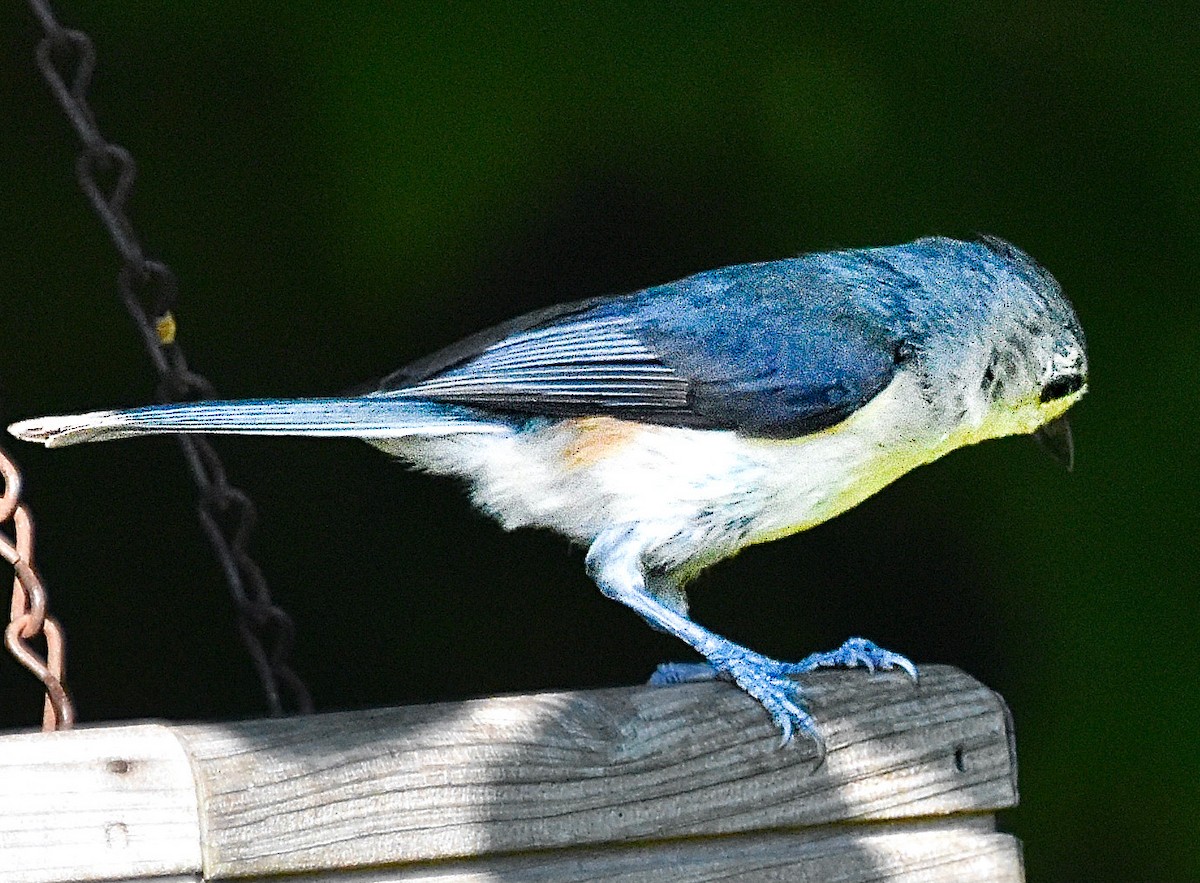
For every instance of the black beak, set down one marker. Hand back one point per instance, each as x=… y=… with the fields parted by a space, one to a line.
x=1056 y=438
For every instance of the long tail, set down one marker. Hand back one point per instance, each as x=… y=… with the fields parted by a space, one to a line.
x=357 y=417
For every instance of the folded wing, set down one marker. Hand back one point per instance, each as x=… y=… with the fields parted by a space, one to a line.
x=776 y=350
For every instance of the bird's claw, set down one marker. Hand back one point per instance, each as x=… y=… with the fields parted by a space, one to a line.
x=669 y=673
x=855 y=653
x=766 y=679
x=770 y=681
x=762 y=678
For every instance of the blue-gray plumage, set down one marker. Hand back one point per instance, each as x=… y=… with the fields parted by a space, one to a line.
x=669 y=428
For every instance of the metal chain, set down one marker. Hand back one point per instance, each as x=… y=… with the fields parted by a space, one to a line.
x=149 y=291
x=28 y=618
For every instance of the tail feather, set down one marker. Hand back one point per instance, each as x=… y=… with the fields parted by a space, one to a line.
x=356 y=417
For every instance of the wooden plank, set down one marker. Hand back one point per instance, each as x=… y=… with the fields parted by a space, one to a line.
x=899 y=852
x=952 y=851
x=522 y=773
x=173 y=878
x=96 y=804
x=684 y=783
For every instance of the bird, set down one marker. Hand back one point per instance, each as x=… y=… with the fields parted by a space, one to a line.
x=669 y=428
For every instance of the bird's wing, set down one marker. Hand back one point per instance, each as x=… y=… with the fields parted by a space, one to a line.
x=776 y=350
x=585 y=366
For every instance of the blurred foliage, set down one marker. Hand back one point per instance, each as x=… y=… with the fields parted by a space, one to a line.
x=342 y=187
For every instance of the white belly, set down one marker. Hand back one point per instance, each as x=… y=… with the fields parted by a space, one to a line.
x=698 y=495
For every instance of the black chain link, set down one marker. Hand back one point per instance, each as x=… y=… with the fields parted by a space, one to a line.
x=106 y=174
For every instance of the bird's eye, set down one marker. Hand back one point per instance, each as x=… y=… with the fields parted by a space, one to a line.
x=1062 y=386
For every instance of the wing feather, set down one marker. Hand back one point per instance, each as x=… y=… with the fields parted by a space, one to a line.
x=776 y=350
x=585 y=364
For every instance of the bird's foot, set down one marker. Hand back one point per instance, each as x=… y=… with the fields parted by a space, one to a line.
x=682 y=673
x=766 y=679
x=769 y=680
x=854 y=653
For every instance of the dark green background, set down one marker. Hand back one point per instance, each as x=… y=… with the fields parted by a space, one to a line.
x=343 y=187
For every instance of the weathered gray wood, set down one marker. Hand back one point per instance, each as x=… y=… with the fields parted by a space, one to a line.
x=957 y=851
x=522 y=773
x=685 y=783
x=95 y=804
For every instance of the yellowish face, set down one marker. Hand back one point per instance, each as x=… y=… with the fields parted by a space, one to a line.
x=1023 y=416
x=1029 y=397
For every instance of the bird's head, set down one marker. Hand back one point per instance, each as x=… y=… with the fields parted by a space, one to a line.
x=1050 y=376
x=1014 y=348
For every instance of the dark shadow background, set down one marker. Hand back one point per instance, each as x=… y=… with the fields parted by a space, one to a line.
x=344 y=187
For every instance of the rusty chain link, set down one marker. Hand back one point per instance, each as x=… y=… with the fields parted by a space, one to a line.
x=28 y=617
x=106 y=174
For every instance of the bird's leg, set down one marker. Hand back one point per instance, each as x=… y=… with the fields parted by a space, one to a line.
x=614 y=561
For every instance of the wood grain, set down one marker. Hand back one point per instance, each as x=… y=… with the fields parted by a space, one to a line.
x=519 y=773
x=911 y=852
x=684 y=784
x=94 y=804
